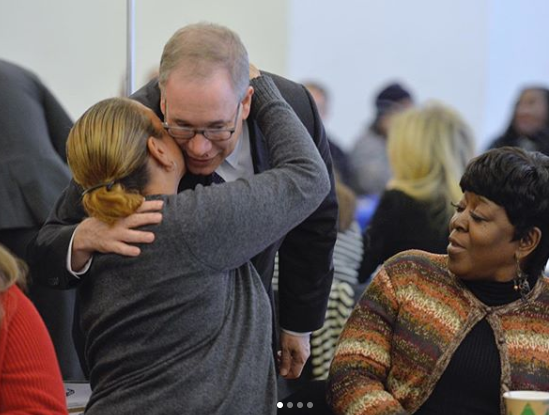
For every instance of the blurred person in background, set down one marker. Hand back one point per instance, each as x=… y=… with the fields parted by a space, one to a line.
x=340 y=159
x=33 y=172
x=369 y=165
x=428 y=150
x=529 y=125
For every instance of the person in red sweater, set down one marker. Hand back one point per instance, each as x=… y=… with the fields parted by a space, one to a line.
x=30 y=379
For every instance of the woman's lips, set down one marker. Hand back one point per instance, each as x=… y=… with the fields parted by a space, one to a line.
x=454 y=247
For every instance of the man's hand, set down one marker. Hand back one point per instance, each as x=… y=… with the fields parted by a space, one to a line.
x=93 y=235
x=295 y=352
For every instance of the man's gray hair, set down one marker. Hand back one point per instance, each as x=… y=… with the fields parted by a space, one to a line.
x=202 y=48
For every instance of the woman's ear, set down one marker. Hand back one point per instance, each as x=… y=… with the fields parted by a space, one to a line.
x=158 y=151
x=529 y=242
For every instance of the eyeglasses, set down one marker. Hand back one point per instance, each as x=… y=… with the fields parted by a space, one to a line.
x=212 y=134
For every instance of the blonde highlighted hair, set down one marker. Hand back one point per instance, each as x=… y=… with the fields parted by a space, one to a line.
x=428 y=149
x=12 y=271
x=107 y=154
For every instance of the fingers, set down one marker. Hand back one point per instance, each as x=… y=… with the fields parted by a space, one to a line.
x=125 y=249
x=292 y=365
x=285 y=363
x=295 y=352
x=136 y=220
x=254 y=72
x=120 y=240
x=150 y=206
x=147 y=214
x=95 y=236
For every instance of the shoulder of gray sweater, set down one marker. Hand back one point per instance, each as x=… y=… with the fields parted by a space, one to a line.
x=267 y=108
x=265 y=93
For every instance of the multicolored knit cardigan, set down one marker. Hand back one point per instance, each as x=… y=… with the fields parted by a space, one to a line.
x=408 y=324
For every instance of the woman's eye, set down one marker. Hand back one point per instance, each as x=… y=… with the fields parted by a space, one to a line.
x=458 y=207
x=476 y=218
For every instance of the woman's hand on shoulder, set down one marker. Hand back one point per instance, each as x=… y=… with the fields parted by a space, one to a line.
x=254 y=72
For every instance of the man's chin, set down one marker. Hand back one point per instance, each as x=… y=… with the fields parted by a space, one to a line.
x=201 y=170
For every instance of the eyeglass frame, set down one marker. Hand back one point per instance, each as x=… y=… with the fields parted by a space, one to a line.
x=202 y=131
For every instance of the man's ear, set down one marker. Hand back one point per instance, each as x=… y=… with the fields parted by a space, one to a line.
x=247 y=103
x=529 y=242
x=163 y=105
x=158 y=151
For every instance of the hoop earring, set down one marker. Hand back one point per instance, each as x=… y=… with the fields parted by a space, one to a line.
x=521 y=283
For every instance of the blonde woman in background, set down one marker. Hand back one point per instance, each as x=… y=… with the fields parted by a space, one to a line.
x=30 y=379
x=428 y=149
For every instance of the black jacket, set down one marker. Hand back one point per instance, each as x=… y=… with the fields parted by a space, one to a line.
x=33 y=132
x=306 y=268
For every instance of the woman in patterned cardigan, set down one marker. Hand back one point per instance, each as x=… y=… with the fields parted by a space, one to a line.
x=448 y=334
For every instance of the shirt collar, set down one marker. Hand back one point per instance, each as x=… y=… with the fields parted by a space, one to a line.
x=239 y=163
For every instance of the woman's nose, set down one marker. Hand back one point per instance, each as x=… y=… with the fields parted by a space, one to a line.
x=459 y=222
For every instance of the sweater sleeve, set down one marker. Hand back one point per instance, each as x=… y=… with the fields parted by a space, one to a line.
x=231 y=222
x=30 y=379
x=362 y=361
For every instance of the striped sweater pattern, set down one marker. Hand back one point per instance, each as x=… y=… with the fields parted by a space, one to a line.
x=406 y=327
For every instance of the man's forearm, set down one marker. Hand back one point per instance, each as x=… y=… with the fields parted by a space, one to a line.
x=80 y=252
x=47 y=255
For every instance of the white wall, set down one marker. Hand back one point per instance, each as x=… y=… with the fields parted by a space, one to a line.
x=471 y=54
x=78 y=47
x=261 y=24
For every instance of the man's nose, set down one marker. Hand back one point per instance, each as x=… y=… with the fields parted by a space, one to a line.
x=198 y=145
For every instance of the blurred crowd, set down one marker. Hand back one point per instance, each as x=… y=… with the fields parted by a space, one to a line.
x=396 y=185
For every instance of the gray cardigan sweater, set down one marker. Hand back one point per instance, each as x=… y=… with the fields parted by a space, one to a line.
x=185 y=328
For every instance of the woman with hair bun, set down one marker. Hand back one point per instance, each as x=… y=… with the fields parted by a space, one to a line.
x=185 y=327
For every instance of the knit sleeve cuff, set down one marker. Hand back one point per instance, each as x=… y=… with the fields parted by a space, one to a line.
x=265 y=92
